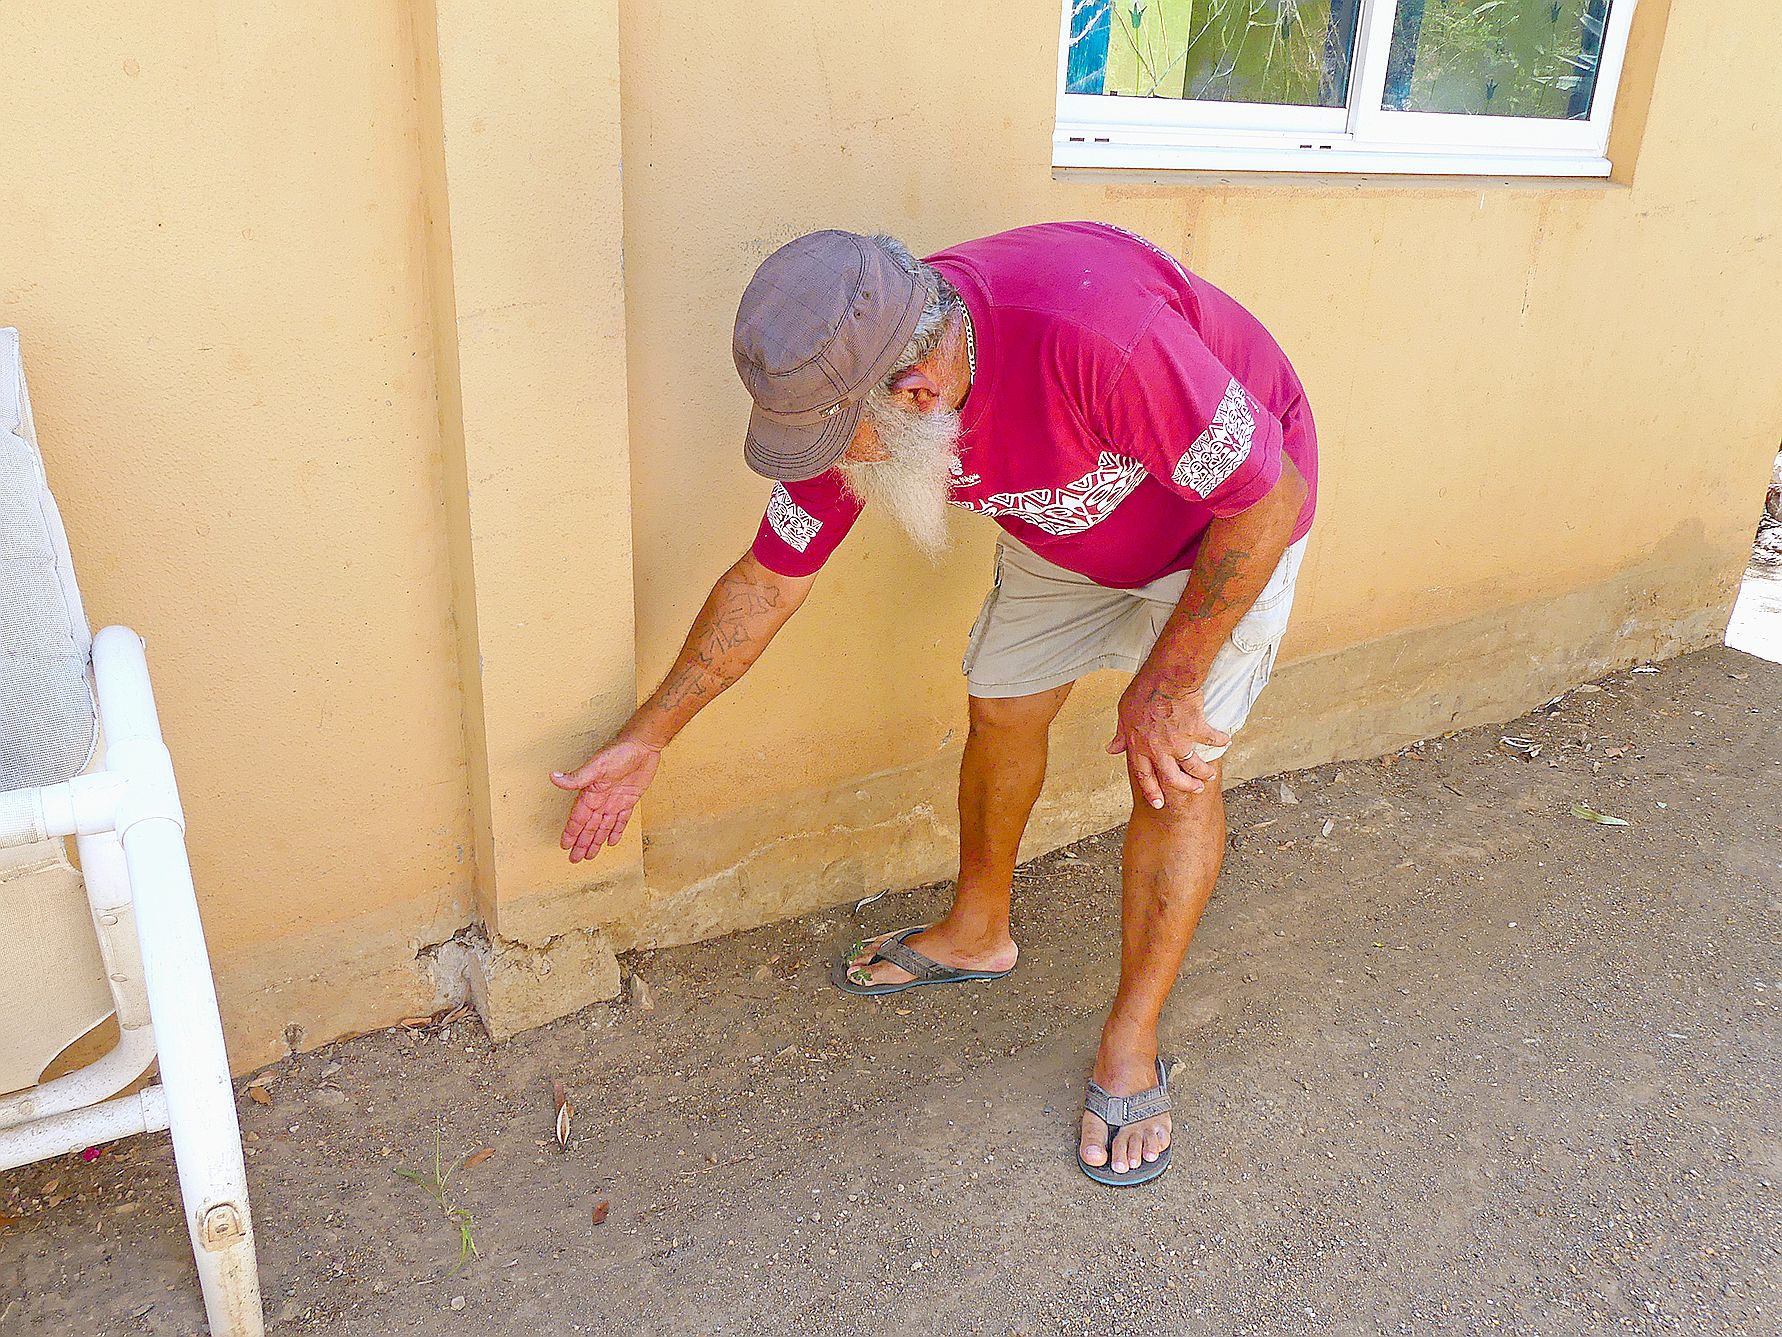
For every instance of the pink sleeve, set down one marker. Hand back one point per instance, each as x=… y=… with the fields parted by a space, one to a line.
x=1181 y=414
x=805 y=522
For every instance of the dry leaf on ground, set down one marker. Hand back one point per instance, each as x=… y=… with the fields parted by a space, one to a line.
x=478 y=1157
x=600 y=1210
x=564 y=1110
x=1600 y=818
x=259 y=1094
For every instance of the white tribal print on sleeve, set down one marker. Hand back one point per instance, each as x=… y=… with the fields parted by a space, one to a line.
x=1218 y=451
x=795 y=525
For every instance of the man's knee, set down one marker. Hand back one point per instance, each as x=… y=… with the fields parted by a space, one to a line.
x=1185 y=810
x=1017 y=714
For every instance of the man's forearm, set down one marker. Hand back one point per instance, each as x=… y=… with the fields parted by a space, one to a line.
x=1237 y=556
x=747 y=606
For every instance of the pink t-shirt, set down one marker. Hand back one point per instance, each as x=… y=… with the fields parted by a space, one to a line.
x=1120 y=404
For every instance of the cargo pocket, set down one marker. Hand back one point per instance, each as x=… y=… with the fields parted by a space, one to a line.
x=1261 y=628
x=974 y=642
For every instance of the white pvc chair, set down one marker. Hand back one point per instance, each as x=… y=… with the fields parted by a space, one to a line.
x=120 y=935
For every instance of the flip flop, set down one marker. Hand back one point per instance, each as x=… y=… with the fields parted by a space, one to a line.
x=1118 y=1111
x=899 y=954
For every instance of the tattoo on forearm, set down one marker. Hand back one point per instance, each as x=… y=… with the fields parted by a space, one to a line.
x=685 y=682
x=1205 y=596
x=741 y=614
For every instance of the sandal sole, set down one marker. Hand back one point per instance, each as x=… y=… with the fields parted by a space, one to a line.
x=839 y=978
x=1144 y=1174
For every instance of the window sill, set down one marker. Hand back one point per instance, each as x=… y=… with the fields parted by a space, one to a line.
x=1086 y=150
x=1160 y=180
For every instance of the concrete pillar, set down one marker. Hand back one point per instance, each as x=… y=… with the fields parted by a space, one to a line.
x=525 y=235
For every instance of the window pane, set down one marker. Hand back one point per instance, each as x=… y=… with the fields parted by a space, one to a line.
x=1291 y=52
x=1496 y=57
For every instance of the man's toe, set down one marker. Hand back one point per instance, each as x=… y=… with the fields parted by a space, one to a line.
x=1156 y=1139
x=867 y=971
x=862 y=968
x=1094 y=1144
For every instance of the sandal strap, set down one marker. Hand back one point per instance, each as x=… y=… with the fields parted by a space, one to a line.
x=1118 y=1111
x=892 y=949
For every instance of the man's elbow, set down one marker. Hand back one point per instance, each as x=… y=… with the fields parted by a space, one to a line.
x=1291 y=489
x=784 y=591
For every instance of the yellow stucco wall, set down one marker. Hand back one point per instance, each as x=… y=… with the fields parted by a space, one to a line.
x=402 y=423
x=1510 y=383
x=210 y=239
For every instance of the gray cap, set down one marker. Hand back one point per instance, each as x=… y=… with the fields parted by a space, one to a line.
x=823 y=321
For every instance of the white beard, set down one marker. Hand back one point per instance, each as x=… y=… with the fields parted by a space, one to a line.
x=914 y=483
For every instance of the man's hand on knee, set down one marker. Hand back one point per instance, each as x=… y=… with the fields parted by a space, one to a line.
x=1160 y=724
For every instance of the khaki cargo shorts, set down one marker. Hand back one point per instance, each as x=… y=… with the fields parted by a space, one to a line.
x=1042 y=626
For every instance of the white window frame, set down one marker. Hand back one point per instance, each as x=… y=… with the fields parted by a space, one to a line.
x=1095 y=130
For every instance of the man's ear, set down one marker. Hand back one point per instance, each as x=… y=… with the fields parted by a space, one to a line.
x=916 y=387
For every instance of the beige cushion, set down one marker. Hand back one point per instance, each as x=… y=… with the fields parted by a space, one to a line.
x=55 y=981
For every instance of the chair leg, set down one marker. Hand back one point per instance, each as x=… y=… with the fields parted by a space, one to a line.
x=229 y=1275
x=195 y=1074
x=182 y=997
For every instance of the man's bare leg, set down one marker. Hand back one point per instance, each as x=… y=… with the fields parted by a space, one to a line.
x=1169 y=865
x=999 y=780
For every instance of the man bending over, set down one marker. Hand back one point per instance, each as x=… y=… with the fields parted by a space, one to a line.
x=1150 y=457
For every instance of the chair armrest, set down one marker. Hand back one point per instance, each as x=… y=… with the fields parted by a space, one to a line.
x=85 y=805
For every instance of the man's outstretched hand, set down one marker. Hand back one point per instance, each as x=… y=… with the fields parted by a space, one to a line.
x=607 y=787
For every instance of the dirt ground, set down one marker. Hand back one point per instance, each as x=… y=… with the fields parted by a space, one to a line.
x=1453 y=1060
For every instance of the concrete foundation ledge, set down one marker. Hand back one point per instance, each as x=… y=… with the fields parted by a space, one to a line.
x=897 y=828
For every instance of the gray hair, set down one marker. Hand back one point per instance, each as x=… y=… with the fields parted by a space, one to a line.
x=943 y=301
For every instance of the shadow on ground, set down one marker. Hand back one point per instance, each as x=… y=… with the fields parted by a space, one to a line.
x=1454 y=1060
